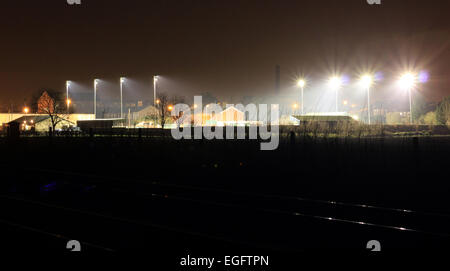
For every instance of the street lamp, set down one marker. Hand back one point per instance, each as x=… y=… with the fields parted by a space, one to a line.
x=122 y=80
x=155 y=80
x=95 y=97
x=26 y=110
x=408 y=81
x=335 y=83
x=367 y=81
x=301 y=83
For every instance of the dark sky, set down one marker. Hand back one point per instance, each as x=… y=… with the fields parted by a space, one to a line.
x=226 y=47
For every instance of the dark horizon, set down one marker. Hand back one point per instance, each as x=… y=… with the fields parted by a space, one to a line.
x=227 y=48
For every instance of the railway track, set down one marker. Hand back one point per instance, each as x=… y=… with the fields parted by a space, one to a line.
x=136 y=212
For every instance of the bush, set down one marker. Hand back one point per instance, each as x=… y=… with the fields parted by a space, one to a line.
x=429 y=118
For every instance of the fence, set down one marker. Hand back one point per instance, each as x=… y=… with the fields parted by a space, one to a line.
x=308 y=130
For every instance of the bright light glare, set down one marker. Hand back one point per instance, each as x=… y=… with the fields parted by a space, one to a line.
x=335 y=82
x=301 y=83
x=122 y=79
x=407 y=81
x=26 y=110
x=96 y=81
x=366 y=81
x=295 y=105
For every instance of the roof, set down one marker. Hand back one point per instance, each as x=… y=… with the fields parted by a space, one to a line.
x=232 y=107
x=29 y=118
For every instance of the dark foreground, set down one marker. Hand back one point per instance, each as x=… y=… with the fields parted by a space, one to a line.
x=216 y=197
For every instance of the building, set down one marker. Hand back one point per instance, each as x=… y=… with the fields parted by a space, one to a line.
x=42 y=122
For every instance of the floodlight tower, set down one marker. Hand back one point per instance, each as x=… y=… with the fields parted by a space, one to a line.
x=155 y=80
x=301 y=83
x=367 y=81
x=336 y=83
x=408 y=81
x=95 y=97
x=67 y=95
x=122 y=80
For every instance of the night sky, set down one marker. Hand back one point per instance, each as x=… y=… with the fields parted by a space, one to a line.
x=229 y=48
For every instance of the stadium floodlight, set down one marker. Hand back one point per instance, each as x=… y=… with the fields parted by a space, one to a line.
x=95 y=97
x=122 y=80
x=155 y=80
x=367 y=81
x=302 y=83
x=67 y=89
x=408 y=81
x=335 y=83
x=67 y=93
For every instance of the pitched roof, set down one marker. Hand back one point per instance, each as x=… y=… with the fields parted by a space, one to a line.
x=28 y=118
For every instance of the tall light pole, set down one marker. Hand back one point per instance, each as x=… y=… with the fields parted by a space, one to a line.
x=67 y=89
x=155 y=80
x=301 y=83
x=336 y=83
x=367 y=81
x=67 y=95
x=95 y=98
x=407 y=81
x=122 y=80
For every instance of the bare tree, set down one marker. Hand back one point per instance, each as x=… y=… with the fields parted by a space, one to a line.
x=54 y=105
x=165 y=105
